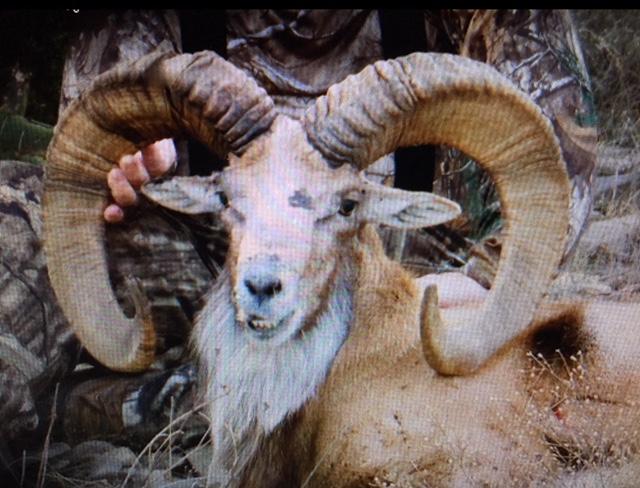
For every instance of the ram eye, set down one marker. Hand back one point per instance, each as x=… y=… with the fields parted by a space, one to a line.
x=224 y=200
x=347 y=206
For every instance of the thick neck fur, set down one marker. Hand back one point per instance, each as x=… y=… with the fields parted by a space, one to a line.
x=252 y=386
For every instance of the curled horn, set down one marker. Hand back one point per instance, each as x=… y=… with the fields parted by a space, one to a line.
x=160 y=95
x=445 y=99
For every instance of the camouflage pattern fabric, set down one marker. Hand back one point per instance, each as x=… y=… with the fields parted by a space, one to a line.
x=540 y=52
x=37 y=346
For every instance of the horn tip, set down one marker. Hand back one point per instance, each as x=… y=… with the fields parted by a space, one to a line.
x=442 y=345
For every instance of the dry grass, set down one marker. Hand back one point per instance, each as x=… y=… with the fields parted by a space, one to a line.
x=167 y=461
x=589 y=438
x=612 y=52
x=611 y=47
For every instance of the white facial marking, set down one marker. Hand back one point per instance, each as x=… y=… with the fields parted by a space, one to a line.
x=283 y=240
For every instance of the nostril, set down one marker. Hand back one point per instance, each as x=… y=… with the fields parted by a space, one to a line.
x=273 y=288
x=251 y=287
x=263 y=288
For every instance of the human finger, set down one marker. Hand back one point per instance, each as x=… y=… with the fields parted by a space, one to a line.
x=159 y=157
x=121 y=190
x=134 y=170
x=113 y=214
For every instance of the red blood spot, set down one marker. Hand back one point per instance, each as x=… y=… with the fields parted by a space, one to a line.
x=559 y=412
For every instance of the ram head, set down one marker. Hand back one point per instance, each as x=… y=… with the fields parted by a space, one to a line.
x=293 y=196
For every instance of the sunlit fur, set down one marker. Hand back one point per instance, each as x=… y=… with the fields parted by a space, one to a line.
x=253 y=386
x=286 y=223
x=341 y=392
x=254 y=383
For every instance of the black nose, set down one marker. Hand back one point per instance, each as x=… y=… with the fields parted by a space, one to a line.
x=263 y=287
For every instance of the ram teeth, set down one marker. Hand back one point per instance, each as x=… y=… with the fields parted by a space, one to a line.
x=262 y=324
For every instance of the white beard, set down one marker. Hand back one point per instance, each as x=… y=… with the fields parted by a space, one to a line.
x=252 y=387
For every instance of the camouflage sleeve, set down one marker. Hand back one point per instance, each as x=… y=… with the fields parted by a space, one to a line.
x=111 y=38
x=540 y=52
x=296 y=55
x=37 y=347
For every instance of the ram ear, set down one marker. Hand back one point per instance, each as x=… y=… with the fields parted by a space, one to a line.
x=406 y=209
x=187 y=194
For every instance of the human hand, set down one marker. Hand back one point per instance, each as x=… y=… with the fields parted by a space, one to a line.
x=133 y=171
